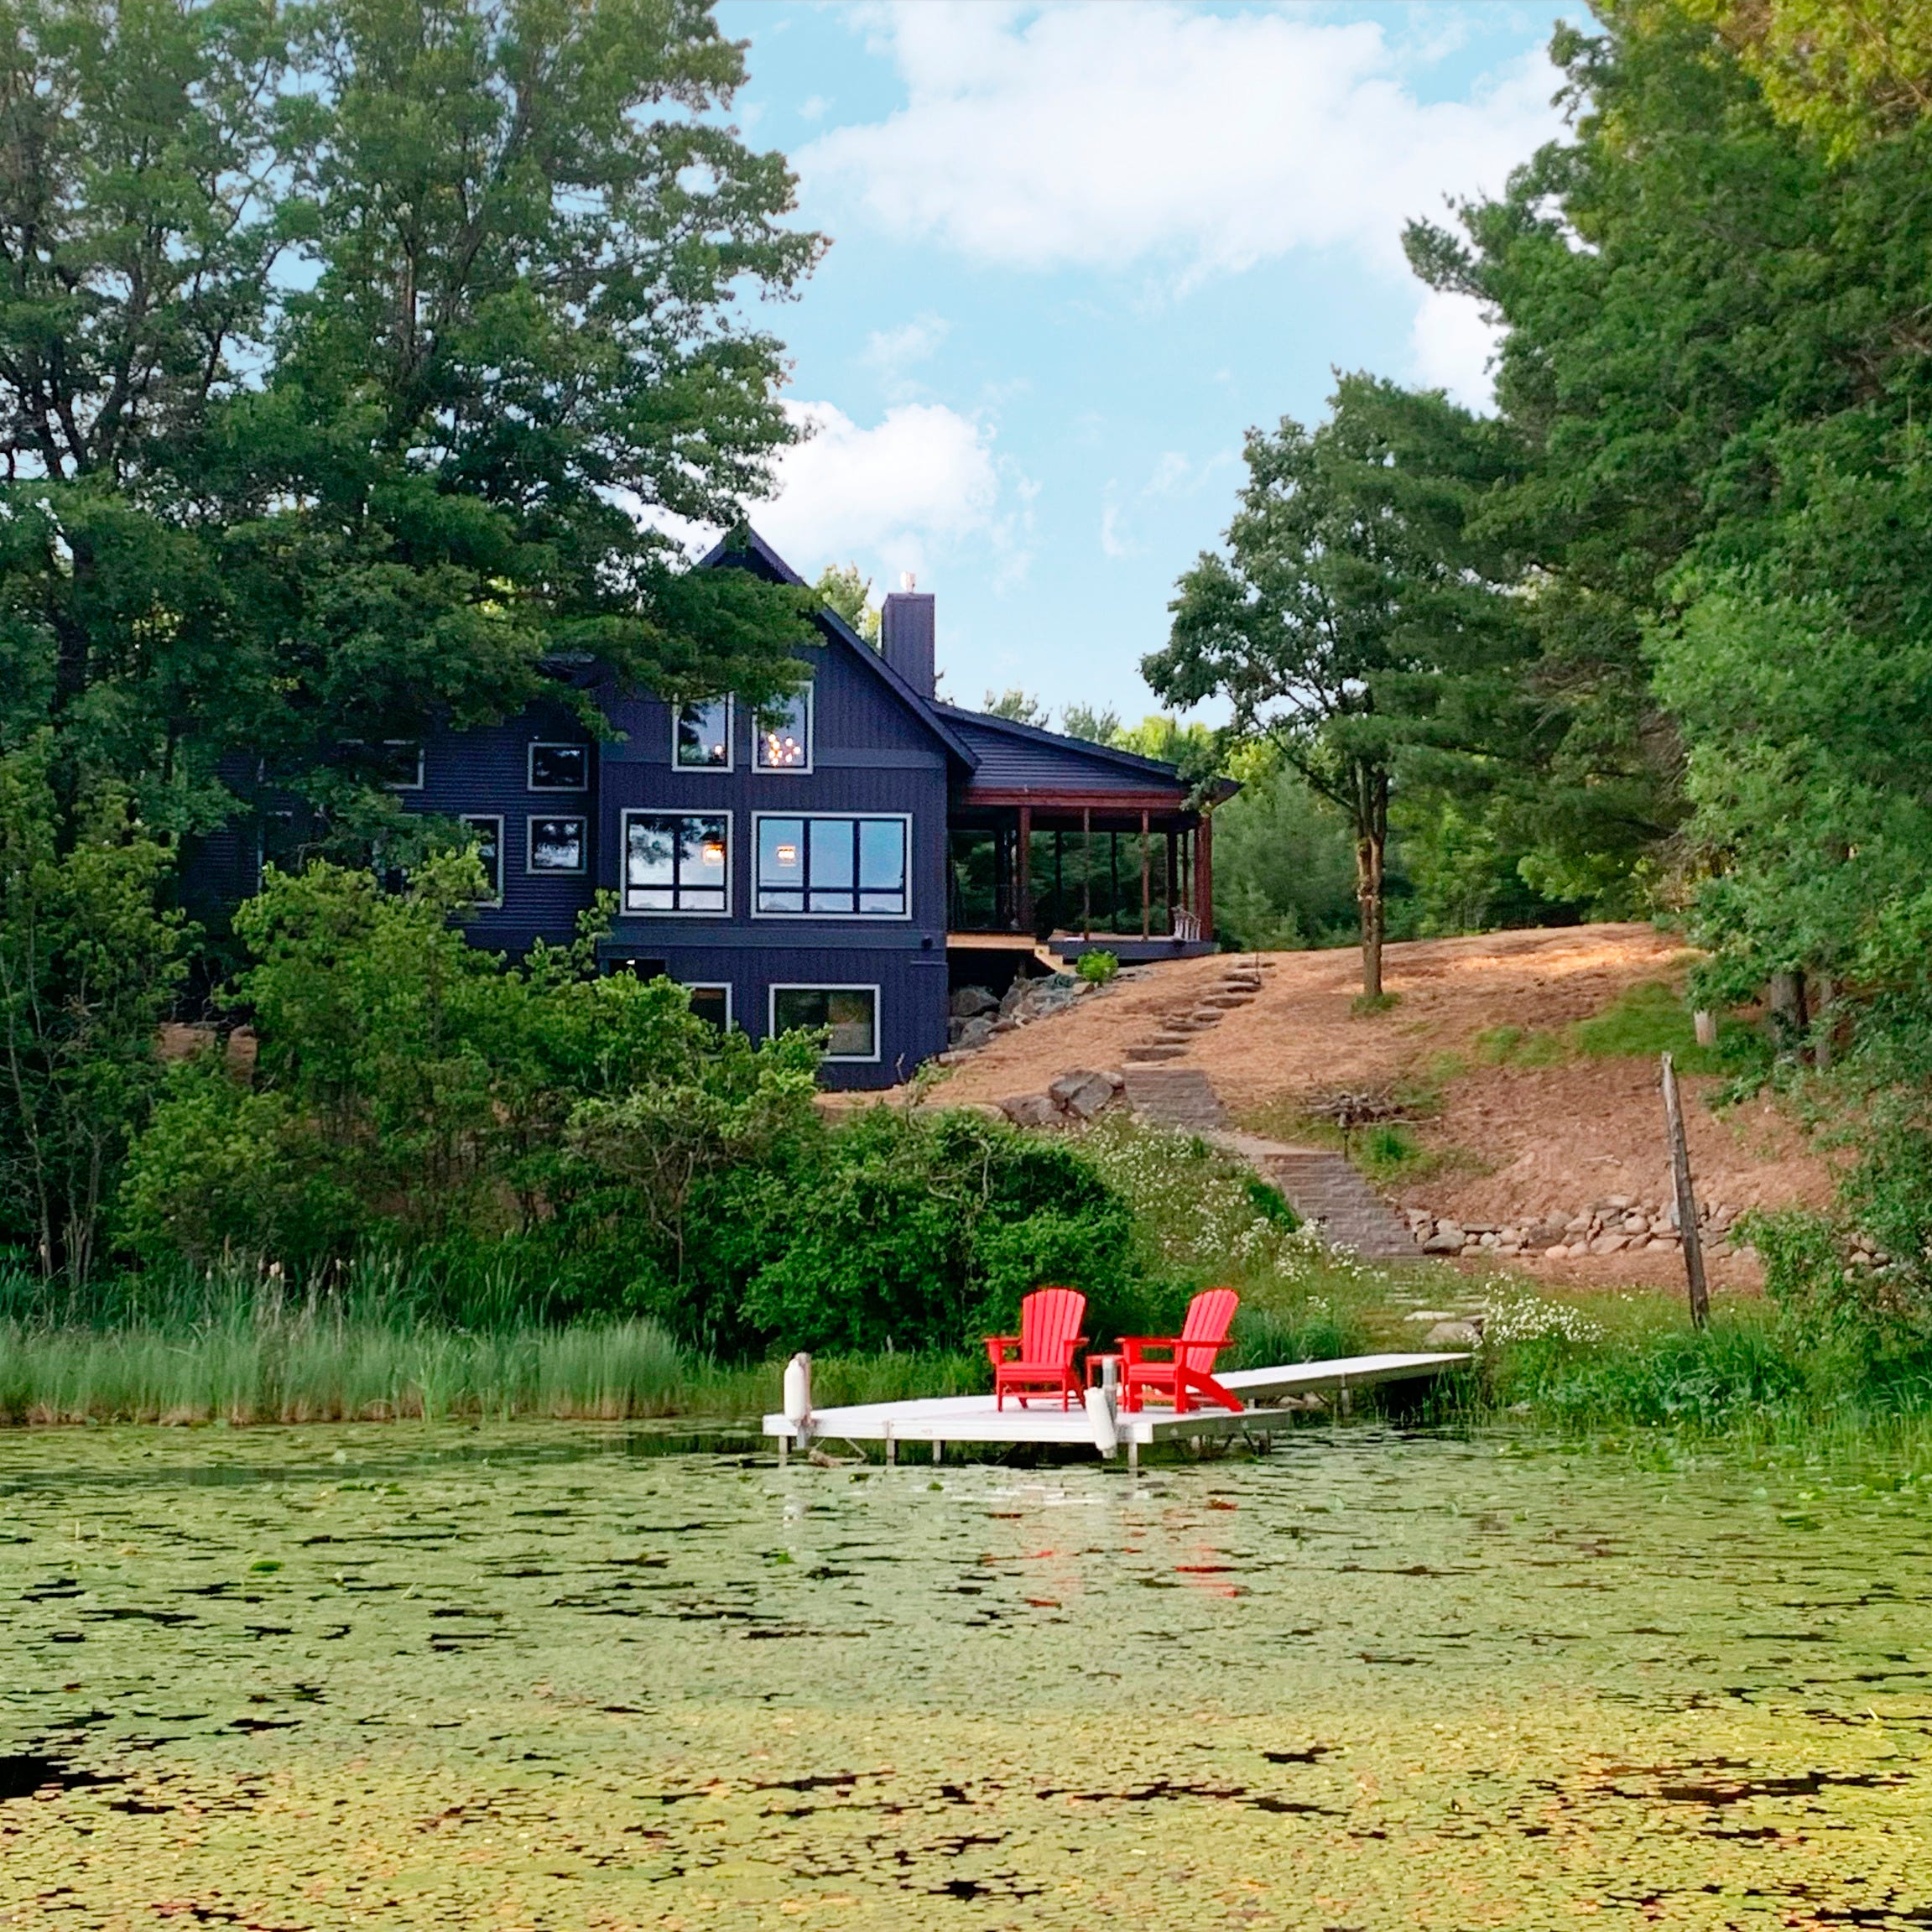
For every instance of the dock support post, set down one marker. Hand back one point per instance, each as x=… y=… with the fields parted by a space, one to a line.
x=939 y=1451
x=785 y=1450
x=892 y=1447
x=1133 y=1455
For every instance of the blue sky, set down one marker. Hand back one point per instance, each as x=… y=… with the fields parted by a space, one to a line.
x=1077 y=250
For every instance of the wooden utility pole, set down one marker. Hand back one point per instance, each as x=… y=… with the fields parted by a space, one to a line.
x=1686 y=1200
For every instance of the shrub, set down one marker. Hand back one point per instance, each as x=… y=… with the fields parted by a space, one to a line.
x=1097 y=968
x=917 y=1234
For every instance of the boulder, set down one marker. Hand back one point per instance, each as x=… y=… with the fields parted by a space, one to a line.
x=971 y=1001
x=1027 y=1109
x=1446 y=1240
x=1082 y=1092
x=1609 y=1244
x=1453 y=1335
x=967 y=1033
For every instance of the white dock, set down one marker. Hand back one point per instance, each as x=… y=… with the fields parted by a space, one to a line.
x=941 y=1419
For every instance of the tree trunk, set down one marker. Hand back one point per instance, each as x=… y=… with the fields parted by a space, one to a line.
x=1370 y=845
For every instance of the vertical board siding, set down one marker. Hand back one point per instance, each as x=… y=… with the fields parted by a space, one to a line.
x=486 y=772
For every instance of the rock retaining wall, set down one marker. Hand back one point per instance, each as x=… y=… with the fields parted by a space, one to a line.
x=1618 y=1224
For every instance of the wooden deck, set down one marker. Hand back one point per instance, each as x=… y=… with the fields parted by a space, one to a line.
x=942 y=1420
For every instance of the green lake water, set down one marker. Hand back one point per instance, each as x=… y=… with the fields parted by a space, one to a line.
x=566 y=1676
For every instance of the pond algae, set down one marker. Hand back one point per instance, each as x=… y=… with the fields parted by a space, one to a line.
x=551 y=1676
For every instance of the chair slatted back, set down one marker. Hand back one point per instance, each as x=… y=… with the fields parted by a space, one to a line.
x=1204 y=1334
x=1049 y=1319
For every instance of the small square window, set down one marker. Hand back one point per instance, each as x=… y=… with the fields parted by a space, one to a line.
x=398 y=764
x=559 y=767
x=702 y=741
x=487 y=833
x=782 y=734
x=557 y=845
x=712 y=1003
x=847 y=1014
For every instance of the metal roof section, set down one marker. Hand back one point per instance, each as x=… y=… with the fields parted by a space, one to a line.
x=1023 y=758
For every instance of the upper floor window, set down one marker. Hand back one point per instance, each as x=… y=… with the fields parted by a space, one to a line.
x=782 y=734
x=559 y=767
x=677 y=861
x=398 y=763
x=842 y=868
x=702 y=736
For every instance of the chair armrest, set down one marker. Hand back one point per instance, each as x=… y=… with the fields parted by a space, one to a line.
x=996 y=1345
x=1134 y=1347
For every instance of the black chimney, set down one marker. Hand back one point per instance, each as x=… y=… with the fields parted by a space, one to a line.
x=906 y=637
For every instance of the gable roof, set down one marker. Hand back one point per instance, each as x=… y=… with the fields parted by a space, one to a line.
x=745 y=549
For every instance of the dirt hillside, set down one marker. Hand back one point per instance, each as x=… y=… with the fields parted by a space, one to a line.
x=1513 y=1143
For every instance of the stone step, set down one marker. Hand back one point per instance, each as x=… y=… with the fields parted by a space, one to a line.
x=1323 y=1189
x=1152 y=1051
x=1175 y=1096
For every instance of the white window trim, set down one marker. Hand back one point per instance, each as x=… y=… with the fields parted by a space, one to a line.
x=538 y=745
x=531 y=870
x=723 y=986
x=872 y=1058
x=730 y=763
x=416 y=784
x=904 y=819
x=467 y=820
x=624 y=860
x=809 y=694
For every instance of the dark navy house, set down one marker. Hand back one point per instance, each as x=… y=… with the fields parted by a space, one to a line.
x=844 y=870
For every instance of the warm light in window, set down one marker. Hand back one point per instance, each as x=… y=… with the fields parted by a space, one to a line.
x=782 y=749
x=714 y=852
x=787 y=854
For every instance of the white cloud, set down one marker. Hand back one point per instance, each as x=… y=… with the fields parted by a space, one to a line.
x=1139 y=131
x=893 y=352
x=1451 y=344
x=894 y=497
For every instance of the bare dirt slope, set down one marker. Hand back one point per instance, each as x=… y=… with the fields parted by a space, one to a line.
x=1521 y=1141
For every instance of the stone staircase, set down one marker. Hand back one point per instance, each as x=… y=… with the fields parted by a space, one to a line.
x=1320 y=1186
x=1235 y=987
x=1326 y=1192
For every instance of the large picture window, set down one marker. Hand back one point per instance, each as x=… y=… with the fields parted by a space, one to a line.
x=488 y=833
x=838 y=867
x=677 y=861
x=782 y=734
x=557 y=845
x=701 y=735
x=849 y=1014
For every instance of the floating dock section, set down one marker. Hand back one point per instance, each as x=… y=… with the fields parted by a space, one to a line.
x=1100 y=1426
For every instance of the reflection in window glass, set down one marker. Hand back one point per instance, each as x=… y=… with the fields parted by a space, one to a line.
x=559 y=767
x=488 y=834
x=556 y=845
x=705 y=735
x=782 y=733
x=848 y=1014
x=840 y=866
x=676 y=862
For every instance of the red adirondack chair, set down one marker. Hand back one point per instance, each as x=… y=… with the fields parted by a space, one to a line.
x=1049 y=1319
x=1188 y=1370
